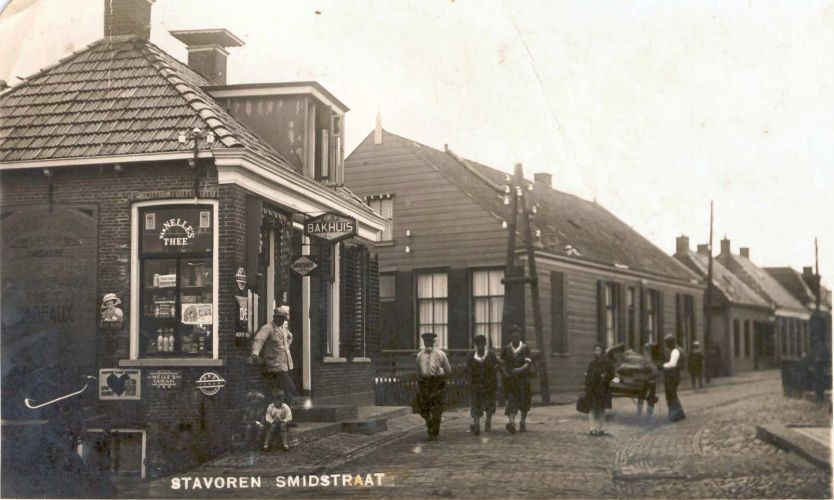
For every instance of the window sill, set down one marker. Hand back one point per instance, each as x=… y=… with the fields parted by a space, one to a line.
x=178 y=362
x=384 y=243
x=331 y=359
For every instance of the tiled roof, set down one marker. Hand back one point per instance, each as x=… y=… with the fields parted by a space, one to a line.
x=570 y=225
x=727 y=283
x=792 y=281
x=118 y=96
x=759 y=280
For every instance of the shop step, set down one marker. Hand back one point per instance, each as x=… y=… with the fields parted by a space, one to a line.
x=324 y=413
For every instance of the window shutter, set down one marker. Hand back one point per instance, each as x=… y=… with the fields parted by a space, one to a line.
x=661 y=325
x=622 y=313
x=601 y=312
x=459 y=309
x=351 y=294
x=644 y=320
x=558 y=313
x=373 y=339
x=405 y=311
x=254 y=217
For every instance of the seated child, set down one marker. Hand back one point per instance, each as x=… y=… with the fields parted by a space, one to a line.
x=252 y=413
x=278 y=416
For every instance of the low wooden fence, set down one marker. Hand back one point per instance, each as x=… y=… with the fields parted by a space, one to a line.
x=398 y=386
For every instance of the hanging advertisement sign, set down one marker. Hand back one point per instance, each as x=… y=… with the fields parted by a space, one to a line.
x=304 y=265
x=331 y=227
x=240 y=279
x=119 y=384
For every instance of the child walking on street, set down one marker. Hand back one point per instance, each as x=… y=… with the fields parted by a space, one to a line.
x=482 y=366
x=278 y=416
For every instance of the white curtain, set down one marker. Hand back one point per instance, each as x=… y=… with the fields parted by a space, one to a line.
x=432 y=294
x=488 y=299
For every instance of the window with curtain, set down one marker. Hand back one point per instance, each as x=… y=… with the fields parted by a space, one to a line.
x=432 y=306
x=747 y=340
x=652 y=315
x=488 y=304
x=383 y=204
x=611 y=313
x=631 y=311
x=736 y=338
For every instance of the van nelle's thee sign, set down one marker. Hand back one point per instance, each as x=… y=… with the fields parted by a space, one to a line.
x=176 y=229
x=331 y=227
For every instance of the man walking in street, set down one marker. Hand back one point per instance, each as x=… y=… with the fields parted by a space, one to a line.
x=696 y=365
x=274 y=340
x=482 y=365
x=672 y=378
x=434 y=368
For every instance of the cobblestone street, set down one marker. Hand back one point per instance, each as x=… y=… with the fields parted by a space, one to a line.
x=713 y=453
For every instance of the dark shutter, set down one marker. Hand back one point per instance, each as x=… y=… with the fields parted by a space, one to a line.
x=644 y=317
x=406 y=331
x=661 y=317
x=254 y=217
x=373 y=321
x=459 y=310
x=601 y=312
x=351 y=299
x=558 y=314
x=622 y=313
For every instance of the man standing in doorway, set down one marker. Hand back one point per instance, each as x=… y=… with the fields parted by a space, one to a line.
x=274 y=340
x=434 y=369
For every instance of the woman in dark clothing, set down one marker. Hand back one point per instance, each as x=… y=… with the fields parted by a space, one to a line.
x=597 y=380
x=517 y=361
x=482 y=365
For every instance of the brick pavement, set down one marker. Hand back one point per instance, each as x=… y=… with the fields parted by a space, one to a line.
x=713 y=453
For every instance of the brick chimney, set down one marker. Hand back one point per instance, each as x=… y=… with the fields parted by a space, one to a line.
x=682 y=244
x=744 y=252
x=206 y=51
x=725 y=246
x=807 y=272
x=378 y=129
x=127 y=18
x=544 y=178
x=703 y=248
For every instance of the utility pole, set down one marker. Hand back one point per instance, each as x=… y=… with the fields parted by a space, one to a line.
x=511 y=191
x=708 y=308
x=817 y=272
x=518 y=191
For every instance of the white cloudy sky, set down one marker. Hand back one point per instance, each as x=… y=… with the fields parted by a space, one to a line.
x=652 y=108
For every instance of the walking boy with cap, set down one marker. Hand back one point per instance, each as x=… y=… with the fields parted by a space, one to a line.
x=434 y=367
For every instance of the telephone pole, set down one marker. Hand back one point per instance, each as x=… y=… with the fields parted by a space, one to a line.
x=708 y=308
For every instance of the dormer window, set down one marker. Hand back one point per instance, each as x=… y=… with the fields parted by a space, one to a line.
x=383 y=204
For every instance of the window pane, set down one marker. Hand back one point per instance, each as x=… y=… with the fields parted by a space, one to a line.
x=496 y=311
x=157 y=323
x=387 y=287
x=424 y=286
x=440 y=312
x=439 y=284
x=495 y=285
x=425 y=313
x=480 y=283
x=195 y=306
x=481 y=310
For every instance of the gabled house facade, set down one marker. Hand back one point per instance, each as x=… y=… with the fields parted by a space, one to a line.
x=151 y=216
x=790 y=316
x=442 y=263
x=804 y=288
x=743 y=335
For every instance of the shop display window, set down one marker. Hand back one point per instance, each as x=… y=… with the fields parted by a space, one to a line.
x=176 y=279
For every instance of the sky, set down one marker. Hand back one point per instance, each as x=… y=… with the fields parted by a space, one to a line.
x=653 y=108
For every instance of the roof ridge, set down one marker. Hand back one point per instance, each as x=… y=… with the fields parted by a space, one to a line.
x=43 y=71
x=189 y=93
x=470 y=168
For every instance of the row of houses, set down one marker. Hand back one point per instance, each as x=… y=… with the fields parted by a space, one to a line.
x=152 y=215
x=443 y=260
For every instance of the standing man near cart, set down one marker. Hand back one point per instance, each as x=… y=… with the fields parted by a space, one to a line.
x=434 y=368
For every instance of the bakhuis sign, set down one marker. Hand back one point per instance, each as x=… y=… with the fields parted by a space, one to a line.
x=331 y=227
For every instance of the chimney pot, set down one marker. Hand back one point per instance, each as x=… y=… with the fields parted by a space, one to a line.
x=744 y=252
x=682 y=244
x=544 y=178
x=703 y=249
x=127 y=18
x=725 y=246
x=206 y=52
x=378 y=129
x=807 y=271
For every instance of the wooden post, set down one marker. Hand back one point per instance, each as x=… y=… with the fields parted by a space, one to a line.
x=817 y=272
x=708 y=307
x=544 y=382
x=507 y=316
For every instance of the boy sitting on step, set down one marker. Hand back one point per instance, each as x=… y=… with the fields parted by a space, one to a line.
x=278 y=416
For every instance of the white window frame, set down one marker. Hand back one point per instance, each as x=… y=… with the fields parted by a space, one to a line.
x=135 y=360
x=475 y=298
x=377 y=203
x=442 y=338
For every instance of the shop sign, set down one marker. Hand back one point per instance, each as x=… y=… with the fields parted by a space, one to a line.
x=304 y=265
x=240 y=279
x=116 y=384
x=331 y=227
x=177 y=229
x=210 y=383
x=165 y=379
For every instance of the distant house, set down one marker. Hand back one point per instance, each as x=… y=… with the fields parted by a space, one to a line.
x=791 y=316
x=442 y=264
x=743 y=330
x=803 y=288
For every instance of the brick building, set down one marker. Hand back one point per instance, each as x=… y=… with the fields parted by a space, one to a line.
x=743 y=334
x=131 y=252
x=442 y=262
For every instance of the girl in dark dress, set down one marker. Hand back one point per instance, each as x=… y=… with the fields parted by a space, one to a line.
x=597 y=380
x=482 y=365
x=517 y=362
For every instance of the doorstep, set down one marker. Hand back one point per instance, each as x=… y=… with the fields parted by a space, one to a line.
x=811 y=443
